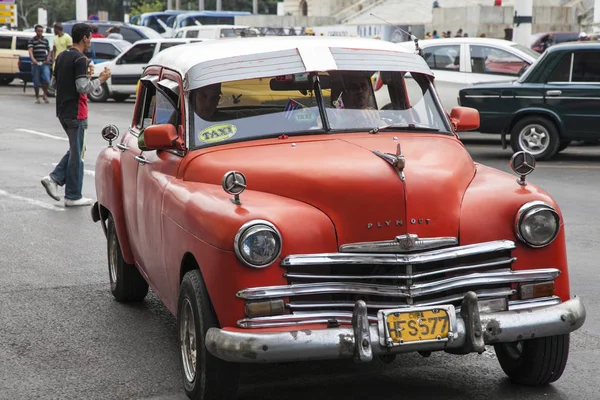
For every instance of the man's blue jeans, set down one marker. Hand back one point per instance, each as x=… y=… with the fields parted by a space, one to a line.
x=69 y=170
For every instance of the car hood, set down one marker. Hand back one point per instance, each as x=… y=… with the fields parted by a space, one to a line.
x=361 y=193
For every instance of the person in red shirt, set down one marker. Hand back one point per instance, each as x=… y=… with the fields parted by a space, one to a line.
x=73 y=83
x=95 y=33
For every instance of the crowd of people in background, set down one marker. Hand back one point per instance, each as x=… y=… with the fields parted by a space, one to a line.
x=447 y=34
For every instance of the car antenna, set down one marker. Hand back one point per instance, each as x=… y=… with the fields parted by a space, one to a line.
x=412 y=37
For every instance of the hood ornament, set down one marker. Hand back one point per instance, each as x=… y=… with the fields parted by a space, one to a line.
x=234 y=182
x=396 y=160
x=522 y=163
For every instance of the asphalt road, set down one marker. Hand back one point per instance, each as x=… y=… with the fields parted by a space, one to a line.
x=63 y=336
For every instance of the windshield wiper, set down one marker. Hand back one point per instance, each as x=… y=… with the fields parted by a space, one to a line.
x=406 y=127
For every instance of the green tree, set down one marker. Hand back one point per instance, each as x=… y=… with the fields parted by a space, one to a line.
x=145 y=6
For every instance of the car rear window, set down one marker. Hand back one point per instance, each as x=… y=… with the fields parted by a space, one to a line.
x=5 y=42
x=23 y=43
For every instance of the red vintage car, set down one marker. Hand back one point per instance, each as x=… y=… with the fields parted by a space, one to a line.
x=305 y=222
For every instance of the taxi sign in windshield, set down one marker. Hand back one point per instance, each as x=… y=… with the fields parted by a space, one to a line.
x=217 y=133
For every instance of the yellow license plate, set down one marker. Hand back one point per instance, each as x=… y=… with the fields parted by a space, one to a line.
x=416 y=326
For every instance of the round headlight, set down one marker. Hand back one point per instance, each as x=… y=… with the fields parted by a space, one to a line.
x=537 y=224
x=257 y=243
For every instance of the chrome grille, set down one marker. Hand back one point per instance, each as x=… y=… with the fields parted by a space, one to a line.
x=324 y=287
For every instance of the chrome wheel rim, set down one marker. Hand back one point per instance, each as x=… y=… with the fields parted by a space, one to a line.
x=187 y=340
x=98 y=92
x=534 y=139
x=112 y=259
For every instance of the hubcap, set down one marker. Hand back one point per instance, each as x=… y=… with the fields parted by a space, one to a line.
x=112 y=259
x=534 y=139
x=187 y=340
x=98 y=92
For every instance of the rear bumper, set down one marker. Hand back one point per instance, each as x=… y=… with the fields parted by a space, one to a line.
x=472 y=331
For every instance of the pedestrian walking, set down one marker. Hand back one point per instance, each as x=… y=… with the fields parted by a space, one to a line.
x=62 y=41
x=39 y=52
x=73 y=83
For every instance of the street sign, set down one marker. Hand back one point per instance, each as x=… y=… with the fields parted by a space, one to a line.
x=7 y=1
x=8 y=13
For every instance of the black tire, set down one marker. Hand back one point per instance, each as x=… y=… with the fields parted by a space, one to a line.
x=6 y=80
x=544 y=129
x=563 y=145
x=209 y=377
x=99 y=95
x=536 y=362
x=119 y=98
x=126 y=282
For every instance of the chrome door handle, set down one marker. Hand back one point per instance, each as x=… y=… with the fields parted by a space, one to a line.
x=141 y=159
x=553 y=93
x=121 y=147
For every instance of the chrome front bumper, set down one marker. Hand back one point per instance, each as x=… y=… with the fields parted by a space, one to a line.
x=472 y=331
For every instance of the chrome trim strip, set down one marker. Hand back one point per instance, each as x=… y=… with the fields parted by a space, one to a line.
x=400 y=244
x=572 y=98
x=300 y=317
x=403 y=276
x=529 y=97
x=571 y=68
x=416 y=290
x=483 y=294
x=483 y=96
x=531 y=303
x=398 y=259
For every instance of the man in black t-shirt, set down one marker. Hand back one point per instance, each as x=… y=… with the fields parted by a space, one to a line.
x=73 y=83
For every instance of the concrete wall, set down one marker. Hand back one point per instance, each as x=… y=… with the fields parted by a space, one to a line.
x=493 y=20
x=316 y=8
x=276 y=21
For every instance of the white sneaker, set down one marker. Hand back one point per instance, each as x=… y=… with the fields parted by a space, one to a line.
x=79 y=202
x=51 y=187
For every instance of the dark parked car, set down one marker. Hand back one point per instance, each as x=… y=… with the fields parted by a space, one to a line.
x=131 y=33
x=538 y=39
x=555 y=101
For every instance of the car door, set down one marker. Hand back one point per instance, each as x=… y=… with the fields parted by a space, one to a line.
x=130 y=153
x=445 y=60
x=573 y=92
x=6 y=55
x=129 y=66
x=157 y=169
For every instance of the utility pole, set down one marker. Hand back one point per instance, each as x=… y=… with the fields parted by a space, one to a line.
x=178 y=4
x=219 y=5
x=169 y=4
x=597 y=12
x=81 y=13
x=200 y=5
x=255 y=6
x=522 y=21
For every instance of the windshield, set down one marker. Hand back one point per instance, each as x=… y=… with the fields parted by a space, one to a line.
x=122 y=44
x=304 y=104
x=149 y=32
x=534 y=54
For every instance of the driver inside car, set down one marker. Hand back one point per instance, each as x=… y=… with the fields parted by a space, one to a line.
x=353 y=91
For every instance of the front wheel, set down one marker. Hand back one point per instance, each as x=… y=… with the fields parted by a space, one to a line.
x=126 y=282
x=119 y=98
x=99 y=95
x=6 y=81
x=204 y=375
x=534 y=362
x=535 y=135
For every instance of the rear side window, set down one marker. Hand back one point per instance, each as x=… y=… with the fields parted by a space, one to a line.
x=139 y=54
x=22 y=43
x=578 y=67
x=105 y=51
x=563 y=70
x=191 y=34
x=443 y=57
x=165 y=46
x=5 y=42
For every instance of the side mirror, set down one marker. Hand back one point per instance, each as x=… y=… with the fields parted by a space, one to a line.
x=464 y=118
x=161 y=137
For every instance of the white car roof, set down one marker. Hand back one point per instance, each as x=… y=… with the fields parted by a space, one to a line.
x=208 y=27
x=226 y=60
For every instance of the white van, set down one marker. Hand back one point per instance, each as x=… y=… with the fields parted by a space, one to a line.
x=216 y=31
x=126 y=69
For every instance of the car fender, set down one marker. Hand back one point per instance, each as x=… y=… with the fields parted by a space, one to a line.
x=537 y=111
x=109 y=192
x=488 y=212
x=201 y=220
